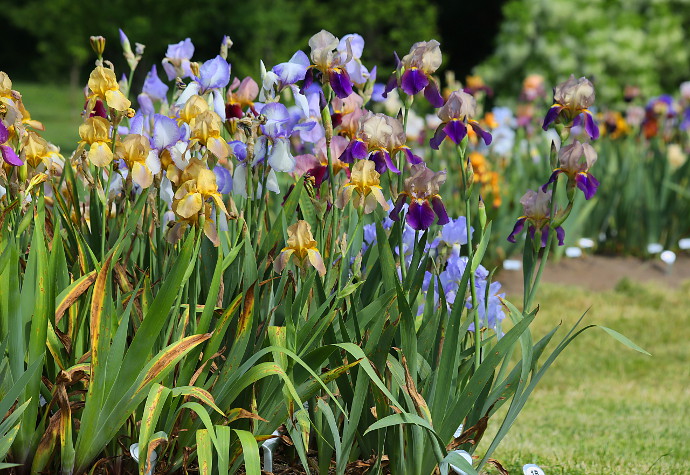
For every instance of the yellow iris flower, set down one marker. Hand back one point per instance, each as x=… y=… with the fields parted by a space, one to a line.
x=301 y=246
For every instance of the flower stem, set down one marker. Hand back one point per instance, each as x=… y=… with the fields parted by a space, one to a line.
x=474 y=311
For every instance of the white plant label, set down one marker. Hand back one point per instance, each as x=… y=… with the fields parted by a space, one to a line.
x=532 y=469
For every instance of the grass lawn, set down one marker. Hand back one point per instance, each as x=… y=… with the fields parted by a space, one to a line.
x=603 y=408
x=58 y=108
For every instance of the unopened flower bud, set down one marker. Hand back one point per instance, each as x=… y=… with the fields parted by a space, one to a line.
x=194 y=66
x=482 y=213
x=225 y=45
x=23 y=172
x=97 y=44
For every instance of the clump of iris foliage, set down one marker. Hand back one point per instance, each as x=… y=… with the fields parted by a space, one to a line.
x=236 y=261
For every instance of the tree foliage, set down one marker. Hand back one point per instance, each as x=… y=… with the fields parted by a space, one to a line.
x=268 y=29
x=614 y=42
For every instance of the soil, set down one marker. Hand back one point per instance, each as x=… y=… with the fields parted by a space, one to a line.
x=603 y=273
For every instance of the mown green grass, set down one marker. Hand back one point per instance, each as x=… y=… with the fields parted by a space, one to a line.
x=58 y=107
x=603 y=408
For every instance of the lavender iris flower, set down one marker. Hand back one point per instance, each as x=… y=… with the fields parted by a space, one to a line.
x=154 y=90
x=176 y=62
x=214 y=75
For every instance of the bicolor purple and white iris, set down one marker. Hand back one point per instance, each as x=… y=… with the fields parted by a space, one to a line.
x=537 y=216
x=417 y=68
x=422 y=189
x=456 y=114
x=283 y=75
x=573 y=99
x=576 y=159
x=331 y=62
x=379 y=138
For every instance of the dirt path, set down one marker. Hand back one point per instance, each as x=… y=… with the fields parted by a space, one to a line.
x=603 y=273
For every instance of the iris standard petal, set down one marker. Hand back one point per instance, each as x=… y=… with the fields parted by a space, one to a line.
x=166 y=132
x=214 y=73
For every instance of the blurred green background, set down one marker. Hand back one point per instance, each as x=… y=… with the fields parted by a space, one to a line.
x=615 y=42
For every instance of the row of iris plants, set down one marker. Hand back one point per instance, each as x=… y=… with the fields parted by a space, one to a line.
x=645 y=145
x=235 y=263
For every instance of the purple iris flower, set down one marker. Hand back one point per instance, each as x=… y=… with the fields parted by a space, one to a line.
x=278 y=128
x=223 y=179
x=176 y=62
x=454 y=233
x=154 y=90
x=576 y=159
x=290 y=72
x=572 y=99
x=239 y=149
x=537 y=211
x=418 y=66
x=490 y=313
x=455 y=115
x=166 y=132
x=329 y=61
x=422 y=188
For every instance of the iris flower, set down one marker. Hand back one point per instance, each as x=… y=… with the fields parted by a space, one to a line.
x=283 y=75
x=365 y=181
x=104 y=86
x=572 y=99
x=576 y=169
x=141 y=160
x=330 y=62
x=35 y=149
x=379 y=138
x=301 y=247
x=422 y=189
x=95 y=131
x=456 y=114
x=154 y=90
x=176 y=62
x=417 y=67
x=190 y=197
x=7 y=152
x=537 y=211
x=214 y=75
x=240 y=94
x=277 y=131
x=205 y=129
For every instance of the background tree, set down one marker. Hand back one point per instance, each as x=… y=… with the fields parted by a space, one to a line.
x=614 y=42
